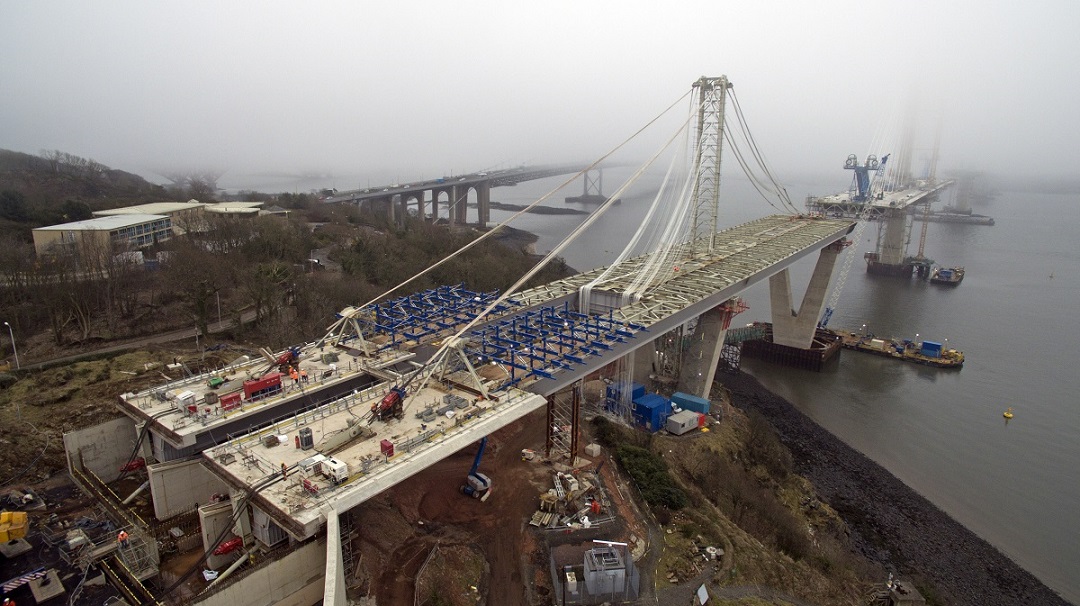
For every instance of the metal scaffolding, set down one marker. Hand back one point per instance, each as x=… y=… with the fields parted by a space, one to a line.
x=563 y=419
x=414 y=318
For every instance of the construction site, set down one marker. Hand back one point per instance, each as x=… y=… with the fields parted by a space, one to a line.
x=301 y=476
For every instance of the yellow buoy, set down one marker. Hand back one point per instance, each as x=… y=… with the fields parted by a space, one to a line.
x=1008 y=414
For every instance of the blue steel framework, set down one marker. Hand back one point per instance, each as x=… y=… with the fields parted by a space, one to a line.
x=430 y=312
x=544 y=340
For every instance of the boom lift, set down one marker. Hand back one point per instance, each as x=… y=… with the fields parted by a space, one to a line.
x=478 y=485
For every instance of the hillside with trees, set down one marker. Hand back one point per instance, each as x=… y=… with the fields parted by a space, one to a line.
x=57 y=187
x=228 y=267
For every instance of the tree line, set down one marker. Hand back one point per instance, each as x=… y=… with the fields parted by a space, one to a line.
x=98 y=292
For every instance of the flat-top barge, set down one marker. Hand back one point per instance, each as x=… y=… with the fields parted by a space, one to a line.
x=928 y=353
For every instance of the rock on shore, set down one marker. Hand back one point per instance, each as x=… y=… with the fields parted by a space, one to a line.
x=890 y=523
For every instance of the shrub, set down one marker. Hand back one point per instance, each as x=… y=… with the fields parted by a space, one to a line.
x=651 y=476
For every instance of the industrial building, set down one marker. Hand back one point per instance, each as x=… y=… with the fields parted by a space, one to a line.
x=115 y=232
x=184 y=216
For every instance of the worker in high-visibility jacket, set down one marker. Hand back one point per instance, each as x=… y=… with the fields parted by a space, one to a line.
x=122 y=538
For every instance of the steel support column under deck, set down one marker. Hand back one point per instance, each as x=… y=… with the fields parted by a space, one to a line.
x=563 y=418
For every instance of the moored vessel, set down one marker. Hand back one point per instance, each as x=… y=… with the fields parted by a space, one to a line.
x=927 y=353
x=948 y=276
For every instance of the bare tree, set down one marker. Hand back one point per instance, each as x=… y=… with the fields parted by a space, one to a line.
x=196 y=274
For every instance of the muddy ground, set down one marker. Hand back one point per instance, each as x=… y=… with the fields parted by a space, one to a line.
x=502 y=559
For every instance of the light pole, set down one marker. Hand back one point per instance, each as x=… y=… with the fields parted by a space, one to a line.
x=13 y=350
x=218 y=295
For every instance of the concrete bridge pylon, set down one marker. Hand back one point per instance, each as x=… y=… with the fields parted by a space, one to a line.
x=796 y=328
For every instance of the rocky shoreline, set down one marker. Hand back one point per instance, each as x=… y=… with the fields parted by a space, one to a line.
x=890 y=523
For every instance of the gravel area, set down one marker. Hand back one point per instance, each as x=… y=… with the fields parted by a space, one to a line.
x=890 y=523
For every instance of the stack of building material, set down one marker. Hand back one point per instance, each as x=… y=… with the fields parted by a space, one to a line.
x=13 y=525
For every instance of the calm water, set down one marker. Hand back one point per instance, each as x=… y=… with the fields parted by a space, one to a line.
x=1015 y=484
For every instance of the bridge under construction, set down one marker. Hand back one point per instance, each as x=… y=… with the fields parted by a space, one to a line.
x=299 y=437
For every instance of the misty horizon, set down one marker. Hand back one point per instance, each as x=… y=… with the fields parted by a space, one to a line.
x=429 y=89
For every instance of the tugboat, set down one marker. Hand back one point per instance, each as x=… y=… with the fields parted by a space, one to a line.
x=948 y=276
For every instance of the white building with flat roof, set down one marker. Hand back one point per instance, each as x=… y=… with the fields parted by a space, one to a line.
x=103 y=233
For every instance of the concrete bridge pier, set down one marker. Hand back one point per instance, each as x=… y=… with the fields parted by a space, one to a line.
x=703 y=353
x=894 y=239
x=483 y=203
x=459 y=204
x=435 y=195
x=334 y=592
x=796 y=328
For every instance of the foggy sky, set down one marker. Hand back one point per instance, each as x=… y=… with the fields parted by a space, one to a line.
x=430 y=88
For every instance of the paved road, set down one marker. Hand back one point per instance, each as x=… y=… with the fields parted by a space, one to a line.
x=165 y=337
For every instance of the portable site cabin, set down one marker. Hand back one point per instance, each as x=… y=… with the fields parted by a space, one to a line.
x=614 y=391
x=651 y=411
x=683 y=422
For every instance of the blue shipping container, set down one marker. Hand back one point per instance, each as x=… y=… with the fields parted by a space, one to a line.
x=686 y=401
x=637 y=390
x=651 y=411
x=931 y=349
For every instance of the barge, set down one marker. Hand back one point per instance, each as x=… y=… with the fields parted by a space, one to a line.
x=947 y=276
x=927 y=353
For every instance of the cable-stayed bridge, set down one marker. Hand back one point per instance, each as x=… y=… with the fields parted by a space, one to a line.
x=400 y=383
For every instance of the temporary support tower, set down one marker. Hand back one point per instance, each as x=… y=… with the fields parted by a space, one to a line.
x=563 y=413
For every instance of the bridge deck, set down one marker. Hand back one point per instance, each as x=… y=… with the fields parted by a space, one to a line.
x=901 y=199
x=742 y=256
x=298 y=508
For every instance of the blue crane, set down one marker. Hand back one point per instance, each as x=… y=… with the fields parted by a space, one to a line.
x=861 y=183
x=478 y=485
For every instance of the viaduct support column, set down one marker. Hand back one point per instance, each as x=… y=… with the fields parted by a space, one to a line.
x=893 y=242
x=796 y=329
x=702 y=356
x=435 y=193
x=334 y=581
x=388 y=204
x=421 y=206
x=459 y=198
x=483 y=203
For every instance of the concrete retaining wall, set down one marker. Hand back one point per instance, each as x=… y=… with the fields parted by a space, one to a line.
x=177 y=486
x=294 y=580
x=104 y=448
